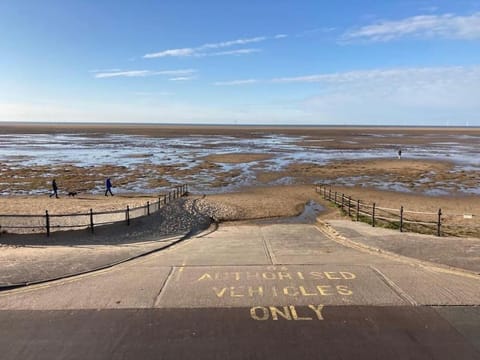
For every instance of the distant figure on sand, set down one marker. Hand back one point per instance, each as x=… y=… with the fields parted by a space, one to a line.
x=399 y=153
x=54 y=189
x=108 y=186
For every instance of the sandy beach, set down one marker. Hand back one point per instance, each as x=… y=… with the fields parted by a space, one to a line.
x=265 y=202
x=266 y=195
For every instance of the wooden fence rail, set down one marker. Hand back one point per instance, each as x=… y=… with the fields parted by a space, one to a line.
x=86 y=220
x=371 y=213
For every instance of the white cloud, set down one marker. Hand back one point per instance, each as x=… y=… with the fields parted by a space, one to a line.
x=177 y=72
x=203 y=50
x=404 y=96
x=428 y=95
x=395 y=74
x=182 y=78
x=172 y=52
x=426 y=26
x=130 y=73
x=234 y=52
x=142 y=73
x=233 y=43
x=418 y=96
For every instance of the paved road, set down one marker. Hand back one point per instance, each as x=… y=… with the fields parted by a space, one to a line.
x=249 y=292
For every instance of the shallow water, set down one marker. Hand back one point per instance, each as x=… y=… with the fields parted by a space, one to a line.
x=308 y=216
x=92 y=149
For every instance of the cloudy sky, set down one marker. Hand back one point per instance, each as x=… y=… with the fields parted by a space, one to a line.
x=241 y=62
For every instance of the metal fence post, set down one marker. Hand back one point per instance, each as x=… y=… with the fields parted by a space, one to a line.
x=342 y=201
x=91 y=220
x=401 y=218
x=148 y=208
x=349 y=205
x=373 y=215
x=47 y=222
x=439 y=222
x=335 y=198
x=127 y=215
x=330 y=194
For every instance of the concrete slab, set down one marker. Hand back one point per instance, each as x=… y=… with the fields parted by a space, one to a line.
x=429 y=287
x=237 y=286
x=230 y=245
x=305 y=244
x=462 y=253
x=121 y=287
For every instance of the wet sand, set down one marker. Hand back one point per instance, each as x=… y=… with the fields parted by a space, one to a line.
x=231 y=170
x=263 y=198
x=404 y=135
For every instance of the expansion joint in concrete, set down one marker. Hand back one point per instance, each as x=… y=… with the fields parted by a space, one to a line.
x=268 y=248
x=164 y=284
x=397 y=289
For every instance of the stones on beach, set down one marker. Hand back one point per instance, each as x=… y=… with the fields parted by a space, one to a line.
x=213 y=209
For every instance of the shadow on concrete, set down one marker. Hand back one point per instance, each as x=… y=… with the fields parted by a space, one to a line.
x=171 y=220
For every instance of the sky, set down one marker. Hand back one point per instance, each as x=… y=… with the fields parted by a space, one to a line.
x=315 y=62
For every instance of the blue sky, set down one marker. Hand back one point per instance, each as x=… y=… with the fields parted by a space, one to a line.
x=244 y=62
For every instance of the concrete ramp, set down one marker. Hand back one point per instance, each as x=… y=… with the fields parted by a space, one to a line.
x=247 y=292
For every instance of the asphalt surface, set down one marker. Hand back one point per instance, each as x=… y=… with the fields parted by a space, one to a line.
x=276 y=291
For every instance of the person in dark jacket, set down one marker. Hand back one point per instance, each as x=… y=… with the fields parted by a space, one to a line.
x=54 y=189
x=108 y=186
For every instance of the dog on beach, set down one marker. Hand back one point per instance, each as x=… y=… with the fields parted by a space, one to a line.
x=72 y=193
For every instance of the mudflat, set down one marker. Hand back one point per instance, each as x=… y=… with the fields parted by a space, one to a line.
x=278 y=184
x=408 y=134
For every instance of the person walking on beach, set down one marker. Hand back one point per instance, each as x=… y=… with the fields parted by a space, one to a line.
x=399 y=154
x=54 y=189
x=108 y=186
